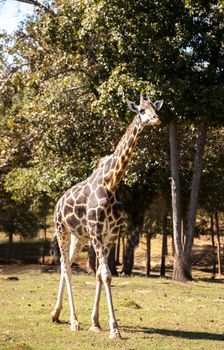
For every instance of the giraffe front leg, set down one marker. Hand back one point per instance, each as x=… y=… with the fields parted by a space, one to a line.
x=106 y=278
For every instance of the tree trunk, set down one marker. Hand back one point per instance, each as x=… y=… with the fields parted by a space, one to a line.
x=55 y=251
x=123 y=248
x=45 y=238
x=112 y=262
x=172 y=243
x=9 y=249
x=180 y=269
x=118 y=250
x=195 y=186
x=182 y=232
x=213 y=249
x=148 y=247
x=218 y=243
x=164 y=246
x=91 y=260
x=128 y=258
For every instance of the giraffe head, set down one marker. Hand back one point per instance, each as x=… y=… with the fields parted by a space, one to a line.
x=147 y=110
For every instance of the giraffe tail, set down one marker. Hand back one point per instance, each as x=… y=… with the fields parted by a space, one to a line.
x=55 y=251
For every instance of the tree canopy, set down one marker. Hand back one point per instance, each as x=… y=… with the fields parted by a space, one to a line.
x=67 y=72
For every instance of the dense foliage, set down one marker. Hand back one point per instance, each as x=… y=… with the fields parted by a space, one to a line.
x=66 y=75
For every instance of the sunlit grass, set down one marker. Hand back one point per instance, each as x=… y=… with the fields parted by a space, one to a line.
x=152 y=313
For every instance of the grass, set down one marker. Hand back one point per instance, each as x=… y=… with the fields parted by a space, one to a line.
x=153 y=313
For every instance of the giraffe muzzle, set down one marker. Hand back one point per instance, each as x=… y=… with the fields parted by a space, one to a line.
x=155 y=120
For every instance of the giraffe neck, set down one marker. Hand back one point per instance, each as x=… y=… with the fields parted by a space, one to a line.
x=117 y=163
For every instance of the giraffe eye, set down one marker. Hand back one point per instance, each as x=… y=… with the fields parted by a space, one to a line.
x=142 y=111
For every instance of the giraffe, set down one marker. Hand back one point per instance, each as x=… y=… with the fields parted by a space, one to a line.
x=92 y=210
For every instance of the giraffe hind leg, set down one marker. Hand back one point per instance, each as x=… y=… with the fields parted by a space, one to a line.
x=58 y=306
x=95 y=313
x=67 y=248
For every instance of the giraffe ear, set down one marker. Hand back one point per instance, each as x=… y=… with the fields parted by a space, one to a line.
x=132 y=106
x=158 y=105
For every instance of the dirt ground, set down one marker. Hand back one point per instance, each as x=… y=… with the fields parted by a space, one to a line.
x=202 y=259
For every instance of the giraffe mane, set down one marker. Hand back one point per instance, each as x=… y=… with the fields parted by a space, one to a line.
x=102 y=161
x=127 y=132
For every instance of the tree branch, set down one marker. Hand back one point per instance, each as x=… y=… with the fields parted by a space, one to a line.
x=38 y=4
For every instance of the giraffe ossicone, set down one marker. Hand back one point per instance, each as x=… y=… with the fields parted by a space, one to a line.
x=91 y=210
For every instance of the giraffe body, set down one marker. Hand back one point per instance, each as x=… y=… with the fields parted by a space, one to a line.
x=89 y=205
x=91 y=210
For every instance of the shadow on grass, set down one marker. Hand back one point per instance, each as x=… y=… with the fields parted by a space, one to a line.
x=60 y=322
x=76 y=269
x=175 y=333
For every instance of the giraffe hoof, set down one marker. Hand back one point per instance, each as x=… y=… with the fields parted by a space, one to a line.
x=74 y=327
x=115 y=335
x=95 y=329
x=55 y=317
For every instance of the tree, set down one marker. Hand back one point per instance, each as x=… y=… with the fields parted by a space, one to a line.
x=212 y=188
x=76 y=69
x=206 y=77
x=185 y=59
x=16 y=219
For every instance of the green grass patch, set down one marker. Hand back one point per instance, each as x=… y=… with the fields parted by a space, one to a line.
x=156 y=314
x=129 y=303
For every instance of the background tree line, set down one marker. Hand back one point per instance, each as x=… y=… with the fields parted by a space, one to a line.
x=65 y=76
